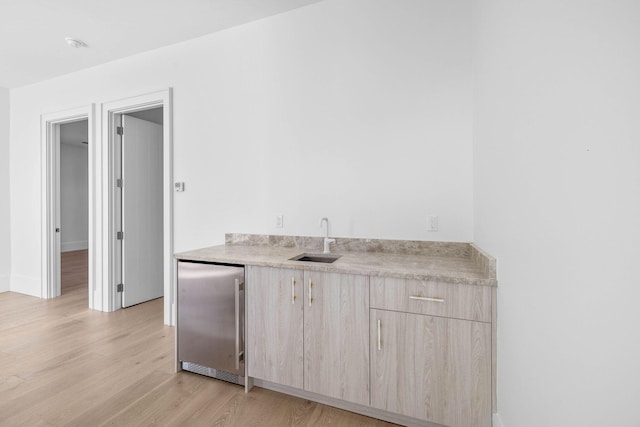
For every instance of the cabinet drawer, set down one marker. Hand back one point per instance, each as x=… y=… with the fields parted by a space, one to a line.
x=434 y=298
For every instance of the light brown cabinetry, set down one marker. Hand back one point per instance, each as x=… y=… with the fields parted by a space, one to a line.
x=275 y=325
x=336 y=335
x=318 y=340
x=434 y=368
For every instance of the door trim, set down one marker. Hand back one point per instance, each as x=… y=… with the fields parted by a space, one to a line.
x=50 y=198
x=109 y=111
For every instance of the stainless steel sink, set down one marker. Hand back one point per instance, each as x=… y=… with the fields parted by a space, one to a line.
x=325 y=258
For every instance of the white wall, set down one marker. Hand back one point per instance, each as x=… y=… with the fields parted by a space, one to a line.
x=5 y=234
x=356 y=110
x=74 y=197
x=557 y=201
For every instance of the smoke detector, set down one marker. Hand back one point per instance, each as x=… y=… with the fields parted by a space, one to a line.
x=75 y=42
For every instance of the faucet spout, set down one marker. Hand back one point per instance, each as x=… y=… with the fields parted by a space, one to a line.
x=327 y=240
x=322 y=222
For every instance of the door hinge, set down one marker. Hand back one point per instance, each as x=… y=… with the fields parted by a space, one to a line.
x=119 y=183
x=120 y=287
x=119 y=235
x=120 y=130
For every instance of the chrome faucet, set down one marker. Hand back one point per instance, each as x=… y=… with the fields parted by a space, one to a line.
x=327 y=240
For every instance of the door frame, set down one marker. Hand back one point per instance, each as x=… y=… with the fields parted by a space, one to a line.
x=109 y=111
x=50 y=198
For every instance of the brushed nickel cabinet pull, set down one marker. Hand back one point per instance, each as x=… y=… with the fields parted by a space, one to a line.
x=426 y=298
x=293 y=290
x=237 y=310
x=310 y=299
x=379 y=338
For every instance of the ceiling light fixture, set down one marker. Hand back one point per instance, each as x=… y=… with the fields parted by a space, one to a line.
x=75 y=42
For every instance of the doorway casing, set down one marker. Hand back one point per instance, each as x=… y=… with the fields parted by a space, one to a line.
x=110 y=297
x=50 y=205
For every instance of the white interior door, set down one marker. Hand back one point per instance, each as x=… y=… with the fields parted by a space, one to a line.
x=142 y=211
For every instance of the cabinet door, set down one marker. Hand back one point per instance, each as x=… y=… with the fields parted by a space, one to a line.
x=275 y=325
x=336 y=335
x=432 y=368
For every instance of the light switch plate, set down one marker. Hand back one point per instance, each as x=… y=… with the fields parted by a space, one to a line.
x=279 y=221
x=179 y=186
x=432 y=223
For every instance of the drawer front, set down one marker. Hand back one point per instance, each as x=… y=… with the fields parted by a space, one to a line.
x=434 y=298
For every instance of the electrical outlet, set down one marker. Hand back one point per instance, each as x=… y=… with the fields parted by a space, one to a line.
x=432 y=223
x=279 y=221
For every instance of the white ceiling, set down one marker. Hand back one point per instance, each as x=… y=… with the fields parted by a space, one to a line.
x=32 y=32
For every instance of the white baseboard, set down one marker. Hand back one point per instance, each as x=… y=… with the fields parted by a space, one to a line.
x=4 y=284
x=73 y=246
x=497 y=421
x=26 y=285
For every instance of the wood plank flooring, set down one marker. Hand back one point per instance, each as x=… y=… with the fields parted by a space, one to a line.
x=62 y=364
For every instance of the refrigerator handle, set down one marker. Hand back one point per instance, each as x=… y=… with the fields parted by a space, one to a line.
x=239 y=352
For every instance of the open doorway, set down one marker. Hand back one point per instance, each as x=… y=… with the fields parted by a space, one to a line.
x=80 y=129
x=73 y=175
x=112 y=113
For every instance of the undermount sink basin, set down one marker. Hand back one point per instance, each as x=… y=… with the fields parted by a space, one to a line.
x=325 y=258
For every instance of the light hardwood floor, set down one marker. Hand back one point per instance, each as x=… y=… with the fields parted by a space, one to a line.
x=62 y=364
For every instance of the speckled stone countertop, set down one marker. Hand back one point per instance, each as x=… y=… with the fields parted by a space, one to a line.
x=461 y=263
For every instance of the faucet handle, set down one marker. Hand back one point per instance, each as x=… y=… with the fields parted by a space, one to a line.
x=327 y=245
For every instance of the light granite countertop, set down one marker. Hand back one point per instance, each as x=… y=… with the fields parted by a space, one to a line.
x=461 y=263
